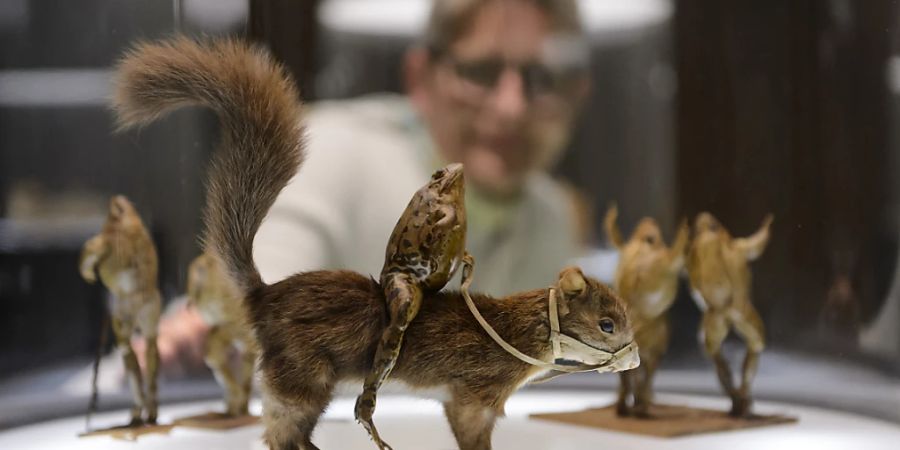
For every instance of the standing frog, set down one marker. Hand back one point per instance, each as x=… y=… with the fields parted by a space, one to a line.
x=718 y=267
x=647 y=279
x=125 y=258
x=426 y=247
x=218 y=301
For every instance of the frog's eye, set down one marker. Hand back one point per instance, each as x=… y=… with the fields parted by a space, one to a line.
x=438 y=174
x=607 y=325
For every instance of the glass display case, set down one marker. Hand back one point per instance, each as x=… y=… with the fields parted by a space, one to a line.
x=679 y=107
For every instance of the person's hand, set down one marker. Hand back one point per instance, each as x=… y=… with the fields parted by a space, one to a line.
x=181 y=343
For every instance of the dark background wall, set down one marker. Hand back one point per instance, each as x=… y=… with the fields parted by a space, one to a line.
x=783 y=107
x=289 y=29
x=62 y=143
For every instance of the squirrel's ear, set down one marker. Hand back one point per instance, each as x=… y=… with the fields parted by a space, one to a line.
x=572 y=282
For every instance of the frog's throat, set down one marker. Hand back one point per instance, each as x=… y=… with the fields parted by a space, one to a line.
x=558 y=340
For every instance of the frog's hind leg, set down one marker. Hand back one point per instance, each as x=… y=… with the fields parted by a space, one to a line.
x=403 y=300
x=123 y=331
x=152 y=357
x=749 y=326
x=148 y=321
x=248 y=365
x=643 y=390
x=626 y=387
x=652 y=347
x=218 y=345
x=714 y=330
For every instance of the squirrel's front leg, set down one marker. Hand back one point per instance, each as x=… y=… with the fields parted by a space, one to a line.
x=404 y=297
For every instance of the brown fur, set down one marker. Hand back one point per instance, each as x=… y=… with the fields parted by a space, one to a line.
x=262 y=135
x=318 y=328
x=344 y=313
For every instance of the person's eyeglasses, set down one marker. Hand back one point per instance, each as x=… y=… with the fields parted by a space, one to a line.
x=538 y=79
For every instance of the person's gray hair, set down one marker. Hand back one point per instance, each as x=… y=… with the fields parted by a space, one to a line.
x=450 y=19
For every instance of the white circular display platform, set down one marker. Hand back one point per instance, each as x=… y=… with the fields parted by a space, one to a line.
x=409 y=423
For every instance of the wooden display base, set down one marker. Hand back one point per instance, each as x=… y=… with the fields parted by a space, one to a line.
x=128 y=432
x=665 y=421
x=217 y=421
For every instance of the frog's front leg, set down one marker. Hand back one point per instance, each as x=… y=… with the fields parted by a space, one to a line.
x=446 y=215
x=93 y=252
x=404 y=297
x=468 y=268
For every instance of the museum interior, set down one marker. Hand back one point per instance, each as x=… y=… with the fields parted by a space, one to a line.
x=229 y=223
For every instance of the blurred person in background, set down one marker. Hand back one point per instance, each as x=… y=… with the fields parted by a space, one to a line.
x=494 y=84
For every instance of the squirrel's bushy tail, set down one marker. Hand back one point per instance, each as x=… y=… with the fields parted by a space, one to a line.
x=262 y=134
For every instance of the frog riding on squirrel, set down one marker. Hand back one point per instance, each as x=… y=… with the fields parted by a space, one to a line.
x=424 y=251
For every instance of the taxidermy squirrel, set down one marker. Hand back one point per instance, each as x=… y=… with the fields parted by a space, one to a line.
x=647 y=278
x=218 y=302
x=318 y=328
x=125 y=258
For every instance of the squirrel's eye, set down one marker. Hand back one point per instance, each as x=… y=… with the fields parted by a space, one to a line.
x=607 y=325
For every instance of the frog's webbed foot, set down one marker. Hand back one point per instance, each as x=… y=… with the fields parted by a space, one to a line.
x=740 y=406
x=136 y=422
x=365 y=407
x=404 y=298
x=622 y=409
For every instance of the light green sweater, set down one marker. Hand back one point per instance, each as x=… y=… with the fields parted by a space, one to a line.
x=366 y=158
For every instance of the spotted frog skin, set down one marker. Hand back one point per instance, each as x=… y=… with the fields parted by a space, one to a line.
x=125 y=258
x=720 y=282
x=647 y=279
x=424 y=251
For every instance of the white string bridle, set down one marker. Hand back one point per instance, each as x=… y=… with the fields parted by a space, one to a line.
x=557 y=339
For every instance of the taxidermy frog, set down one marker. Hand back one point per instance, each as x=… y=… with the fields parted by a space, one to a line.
x=647 y=279
x=720 y=279
x=124 y=257
x=424 y=251
x=218 y=301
